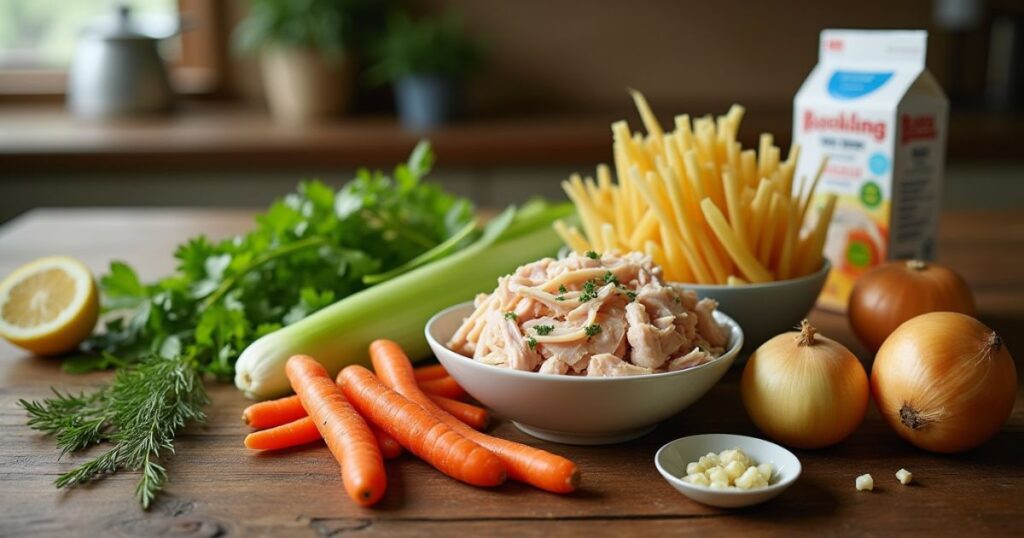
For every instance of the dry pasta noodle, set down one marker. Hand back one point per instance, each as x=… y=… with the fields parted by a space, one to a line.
x=707 y=209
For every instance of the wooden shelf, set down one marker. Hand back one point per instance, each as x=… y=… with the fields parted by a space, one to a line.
x=43 y=137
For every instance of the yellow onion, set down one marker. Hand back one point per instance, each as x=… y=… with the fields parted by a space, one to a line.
x=894 y=292
x=805 y=390
x=944 y=381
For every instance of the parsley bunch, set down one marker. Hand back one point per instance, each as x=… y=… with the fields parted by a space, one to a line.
x=308 y=250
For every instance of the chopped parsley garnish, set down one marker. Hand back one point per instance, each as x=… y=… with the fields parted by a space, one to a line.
x=592 y=330
x=589 y=291
x=559 y=298
x=592 y=255
x=544 y=329
x=531 y=342
x=610 y=278
x=631 y=295
x=562 y=289
x=511 y=315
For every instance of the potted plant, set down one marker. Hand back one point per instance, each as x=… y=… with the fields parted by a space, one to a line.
x=427 y=61
x=304 y=53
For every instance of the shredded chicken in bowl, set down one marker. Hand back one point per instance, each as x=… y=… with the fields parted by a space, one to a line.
x=593 y=315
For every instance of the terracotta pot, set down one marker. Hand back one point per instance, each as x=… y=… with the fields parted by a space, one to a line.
x=305 y=85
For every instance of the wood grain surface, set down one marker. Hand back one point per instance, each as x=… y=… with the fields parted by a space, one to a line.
x=218 y=488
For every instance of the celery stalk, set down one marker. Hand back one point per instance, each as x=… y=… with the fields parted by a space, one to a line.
x=399 y=308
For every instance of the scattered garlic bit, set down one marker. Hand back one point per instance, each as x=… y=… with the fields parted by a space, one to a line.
x=865 y=482
x=904 y=476
x=730 y=468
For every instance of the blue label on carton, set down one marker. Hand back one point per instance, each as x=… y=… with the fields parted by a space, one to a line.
x=855 y=84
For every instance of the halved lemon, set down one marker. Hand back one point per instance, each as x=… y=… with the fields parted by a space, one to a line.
x=49 y=306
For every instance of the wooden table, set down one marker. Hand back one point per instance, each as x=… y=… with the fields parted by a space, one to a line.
x=219 y=488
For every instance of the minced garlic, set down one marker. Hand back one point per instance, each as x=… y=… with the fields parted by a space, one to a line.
x=865 y=482
x=904 y=476
x=729 y=468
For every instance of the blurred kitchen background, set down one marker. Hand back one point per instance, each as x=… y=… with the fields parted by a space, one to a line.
x=514 y=95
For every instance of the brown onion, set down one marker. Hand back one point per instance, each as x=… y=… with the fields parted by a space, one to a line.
x=886 y=296
x=805 y=390
x=944 y=381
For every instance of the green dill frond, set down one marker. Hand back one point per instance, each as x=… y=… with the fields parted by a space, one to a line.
x=140 y=413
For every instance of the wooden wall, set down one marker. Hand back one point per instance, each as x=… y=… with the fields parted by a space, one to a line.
x=581 y=55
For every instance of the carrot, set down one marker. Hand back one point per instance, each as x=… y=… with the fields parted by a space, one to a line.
x=303 y=431
x=443 y=386
x=271 y=413
x=345 y=432
x=426 y=373
x=471 y=415
x=419 y=431
x=298 y=432
x=389 y=447
x=525 y=463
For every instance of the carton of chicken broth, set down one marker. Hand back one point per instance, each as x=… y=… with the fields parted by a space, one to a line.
x=880 y=117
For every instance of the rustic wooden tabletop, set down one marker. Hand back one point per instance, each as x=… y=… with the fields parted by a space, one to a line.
x=218 y=488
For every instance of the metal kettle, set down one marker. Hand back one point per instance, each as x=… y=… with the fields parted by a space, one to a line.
x=117 y=70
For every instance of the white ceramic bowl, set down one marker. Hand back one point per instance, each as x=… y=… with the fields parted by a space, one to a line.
x=769 y=309
x=672 y=458
x=573 y=409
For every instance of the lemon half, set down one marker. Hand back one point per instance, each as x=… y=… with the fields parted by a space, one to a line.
x=49 y=306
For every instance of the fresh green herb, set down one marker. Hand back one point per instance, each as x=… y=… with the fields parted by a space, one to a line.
x=544 y=329
x=562 y=289
x=532 y=342
x=592 y=255
x=589 y=291
x=631 y=295
x=427 y=46
x=328 y=26
x=511 y=315
x=592 y=330
x=308 y=250
x=560 y=298
x=139 y=413
x=610 y=278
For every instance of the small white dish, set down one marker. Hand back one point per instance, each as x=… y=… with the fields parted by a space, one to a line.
x=574 y=409
x=671 y=461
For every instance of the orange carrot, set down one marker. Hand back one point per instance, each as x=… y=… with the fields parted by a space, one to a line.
x=471 y=415
x=345 y=432
x=272 y=413
x=303 y=431
x=426 y=373
x=389 y=447
x=442 y=386
x=419 y=431
x=299 y=432
x=525 y=463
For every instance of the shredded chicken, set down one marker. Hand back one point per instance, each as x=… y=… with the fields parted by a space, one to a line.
x=608 y=315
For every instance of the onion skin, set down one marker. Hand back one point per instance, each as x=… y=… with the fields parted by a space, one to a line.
x=892 y=293
x=944 y=382
x=805 y=396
